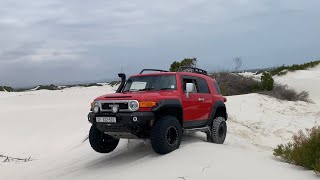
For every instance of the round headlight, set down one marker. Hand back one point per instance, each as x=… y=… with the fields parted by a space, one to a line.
x=134 y=105
x=96 y=109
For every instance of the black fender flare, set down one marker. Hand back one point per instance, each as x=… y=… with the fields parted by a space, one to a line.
x=216 y=105
x=170 y=103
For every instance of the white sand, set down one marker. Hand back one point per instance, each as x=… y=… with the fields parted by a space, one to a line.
x=50 y=126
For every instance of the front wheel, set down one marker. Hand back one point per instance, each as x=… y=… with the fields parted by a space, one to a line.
x=218 y=131
x=101 y=142
x=166 y=135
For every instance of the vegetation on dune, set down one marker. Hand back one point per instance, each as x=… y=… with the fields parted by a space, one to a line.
x=282 y=70
x=6 y=88
x=303 y=151
x=47 y=87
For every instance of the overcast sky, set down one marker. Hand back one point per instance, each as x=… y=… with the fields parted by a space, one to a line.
x=52 y=41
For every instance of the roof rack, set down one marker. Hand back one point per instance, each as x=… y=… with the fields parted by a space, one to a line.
x=192 y=69
x=143 y=70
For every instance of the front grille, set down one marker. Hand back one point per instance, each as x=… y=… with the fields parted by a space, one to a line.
x=107 y=106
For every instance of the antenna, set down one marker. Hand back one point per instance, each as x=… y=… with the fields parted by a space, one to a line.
x=121 y=67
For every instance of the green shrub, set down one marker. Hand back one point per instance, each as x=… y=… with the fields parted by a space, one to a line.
x=267 y=81
x=303 y=151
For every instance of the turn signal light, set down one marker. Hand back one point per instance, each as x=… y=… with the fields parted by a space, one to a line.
x=147 y=104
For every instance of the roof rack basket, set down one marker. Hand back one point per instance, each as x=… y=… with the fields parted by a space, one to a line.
x=159 y=70
x=192 y=69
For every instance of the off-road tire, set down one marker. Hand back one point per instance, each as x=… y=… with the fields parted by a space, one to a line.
x=166 y=135
x=218 y=131
x=101 y=142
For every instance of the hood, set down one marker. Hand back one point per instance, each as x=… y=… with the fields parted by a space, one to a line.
x=140 y=96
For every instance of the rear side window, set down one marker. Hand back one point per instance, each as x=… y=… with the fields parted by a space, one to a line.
x=217 y=87
x=203 y=86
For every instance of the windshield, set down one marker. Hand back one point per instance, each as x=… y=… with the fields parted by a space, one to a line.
x=154 y=83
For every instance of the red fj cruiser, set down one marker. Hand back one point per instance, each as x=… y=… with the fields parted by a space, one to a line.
x=159 y=106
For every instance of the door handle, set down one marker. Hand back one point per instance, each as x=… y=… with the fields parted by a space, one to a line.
x=201 y=99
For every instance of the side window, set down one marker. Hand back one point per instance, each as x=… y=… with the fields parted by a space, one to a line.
x=217 y=87
x=184 y=84
x=203 y=86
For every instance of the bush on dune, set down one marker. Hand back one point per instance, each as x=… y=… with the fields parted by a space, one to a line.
x=283 y=92
x=303 y=151
x=235 y=84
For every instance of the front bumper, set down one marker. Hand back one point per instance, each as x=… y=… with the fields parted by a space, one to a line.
x=131 y=122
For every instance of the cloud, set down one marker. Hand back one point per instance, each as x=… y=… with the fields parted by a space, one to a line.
x=97 y=38
x=39 y=52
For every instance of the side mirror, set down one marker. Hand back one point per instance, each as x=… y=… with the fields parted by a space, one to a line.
x=189 y=88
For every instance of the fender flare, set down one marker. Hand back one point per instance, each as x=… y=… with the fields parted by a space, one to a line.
x=216 y=105
x=170 y=103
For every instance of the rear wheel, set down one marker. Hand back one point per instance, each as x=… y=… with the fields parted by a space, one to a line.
x=166 y=135
x=101 y=142
x=218 y=131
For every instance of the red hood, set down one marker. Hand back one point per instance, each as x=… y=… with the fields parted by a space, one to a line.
x=140 y=96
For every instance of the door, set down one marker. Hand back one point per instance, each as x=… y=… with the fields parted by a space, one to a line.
x=190 y=104
x=196 y=107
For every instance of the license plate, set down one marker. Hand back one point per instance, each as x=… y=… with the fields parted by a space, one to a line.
x=106 y=119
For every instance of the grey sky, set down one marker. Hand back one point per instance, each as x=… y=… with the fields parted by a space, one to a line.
x=52 y=41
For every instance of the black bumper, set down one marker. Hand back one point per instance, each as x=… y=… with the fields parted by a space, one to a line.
x=125 y=121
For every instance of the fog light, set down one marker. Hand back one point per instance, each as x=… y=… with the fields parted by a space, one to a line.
x=135 y=119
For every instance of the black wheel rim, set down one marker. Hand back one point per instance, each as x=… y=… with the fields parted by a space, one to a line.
x=221 y=131
x=172 y=135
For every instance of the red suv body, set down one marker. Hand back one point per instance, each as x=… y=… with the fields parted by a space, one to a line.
x=185 y=101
